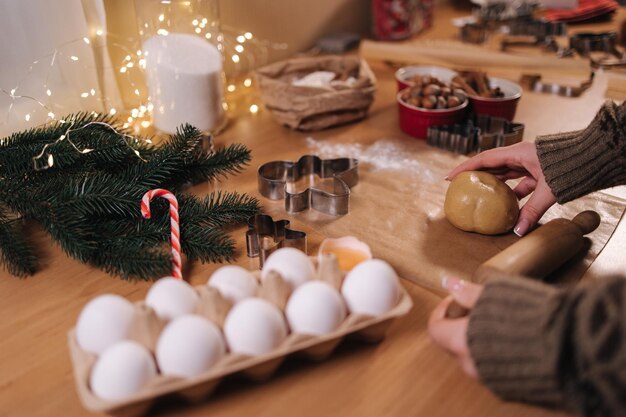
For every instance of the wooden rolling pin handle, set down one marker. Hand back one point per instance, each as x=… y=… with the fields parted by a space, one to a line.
x=536 y=255
x=587 y=221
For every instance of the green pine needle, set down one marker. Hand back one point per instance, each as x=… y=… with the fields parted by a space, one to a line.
x=89 y=202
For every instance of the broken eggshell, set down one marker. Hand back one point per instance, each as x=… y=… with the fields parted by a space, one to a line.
x=349 y=251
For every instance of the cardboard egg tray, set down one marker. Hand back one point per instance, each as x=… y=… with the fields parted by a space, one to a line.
x=147 y=326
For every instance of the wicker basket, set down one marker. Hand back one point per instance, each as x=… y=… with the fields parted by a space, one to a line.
x=314 y=108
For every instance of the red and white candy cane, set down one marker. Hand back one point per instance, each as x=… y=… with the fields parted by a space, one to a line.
x=175 y=238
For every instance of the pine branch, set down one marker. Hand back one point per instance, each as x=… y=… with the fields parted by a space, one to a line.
x=89 y=201
x=218 y=209
x=204 y=166
x=15 y=252
x=131 y=262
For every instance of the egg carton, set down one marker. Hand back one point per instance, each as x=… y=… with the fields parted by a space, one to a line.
x=147 y=327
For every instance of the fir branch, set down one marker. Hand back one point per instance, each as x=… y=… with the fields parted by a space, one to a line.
x=130 y=262
x=89 y=201
x=15 y=252
x=218 y=209
x=204 y=166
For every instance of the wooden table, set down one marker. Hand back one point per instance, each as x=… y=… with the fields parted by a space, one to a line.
x=405 y=375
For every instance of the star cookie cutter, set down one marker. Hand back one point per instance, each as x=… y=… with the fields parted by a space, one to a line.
x=280 y=180
x=265 y=235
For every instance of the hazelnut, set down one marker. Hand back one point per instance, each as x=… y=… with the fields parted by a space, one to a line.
x=461 y=94
x=445 y=92
x=429 y=102
x=431 y=89
x=454 y=101
x=441 y=103
x=415 y=101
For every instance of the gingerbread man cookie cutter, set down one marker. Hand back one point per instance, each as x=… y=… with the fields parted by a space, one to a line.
x=279 y=180
x=265 y=235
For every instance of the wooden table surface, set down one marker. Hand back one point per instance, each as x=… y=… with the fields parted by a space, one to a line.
x=405 y=375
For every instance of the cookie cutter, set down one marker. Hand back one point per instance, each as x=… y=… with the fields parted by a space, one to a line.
x=264 y=236
x=532 y=82
x=478 y=134
x=278 y=180
x=535 y=32
x=606 y=42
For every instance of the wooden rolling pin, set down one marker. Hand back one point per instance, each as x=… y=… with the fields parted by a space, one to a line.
x=537 y=254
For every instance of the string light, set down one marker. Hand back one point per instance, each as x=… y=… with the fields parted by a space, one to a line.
x=229 y=42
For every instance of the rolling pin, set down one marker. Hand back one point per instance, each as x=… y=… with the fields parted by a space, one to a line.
x=537 y=254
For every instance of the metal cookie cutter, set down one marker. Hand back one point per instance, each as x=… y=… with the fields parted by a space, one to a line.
x=265 y=235
x=479 y=133
x=279 y=180
x=532 y=82
x=605 y=42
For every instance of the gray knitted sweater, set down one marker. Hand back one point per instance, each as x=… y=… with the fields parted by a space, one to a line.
x=562 y=348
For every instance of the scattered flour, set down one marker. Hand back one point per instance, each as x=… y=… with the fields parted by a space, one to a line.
x=384 y=154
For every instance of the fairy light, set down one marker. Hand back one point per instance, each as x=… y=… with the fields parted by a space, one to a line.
x=123 y=70
x=136 y=91
x=86 y=40
x=254 y=109
x=198 y=30
x=231 y=88
x=235 y=58
x=93 y=92
x=247 y=82
x=51 y=115
x=27 y=117
x=145 y=124
x=241 y=38
x=112 y=111
x=161 y=17
x=194 y=22
x=248 y=35
x=239 y=48
x=162 y=32
x=84 y=95
x=74 y=58
x=48 y=92
x=208 y=35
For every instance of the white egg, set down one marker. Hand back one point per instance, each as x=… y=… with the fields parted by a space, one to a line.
x=170 y=298
x=371 y=288
x=188 y=346
x=315 y=308
x=103 y=321
x=254 y=327
x=234 y=282
x=122 y=370
x=293 y=265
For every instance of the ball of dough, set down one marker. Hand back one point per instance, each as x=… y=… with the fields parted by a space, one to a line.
x=479 y=202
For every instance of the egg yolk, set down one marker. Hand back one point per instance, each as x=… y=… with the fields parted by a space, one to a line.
x=347 y=258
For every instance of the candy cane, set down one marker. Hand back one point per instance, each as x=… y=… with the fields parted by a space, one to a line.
x=175 y=238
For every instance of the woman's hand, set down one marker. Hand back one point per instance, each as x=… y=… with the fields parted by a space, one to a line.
x=451 y=334
x=516 y=161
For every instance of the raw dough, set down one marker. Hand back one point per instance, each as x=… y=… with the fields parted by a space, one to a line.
x=477 y=201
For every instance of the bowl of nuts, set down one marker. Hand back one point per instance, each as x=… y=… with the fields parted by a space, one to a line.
x=412 y=75
x=435 y=104
x=494 y=97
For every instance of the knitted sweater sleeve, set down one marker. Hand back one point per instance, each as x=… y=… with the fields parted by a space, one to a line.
x=579 y=162
x=563 y=348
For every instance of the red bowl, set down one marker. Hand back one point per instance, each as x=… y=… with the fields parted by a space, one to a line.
x=444 y=75
x=415 y=121
x=504 y=107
